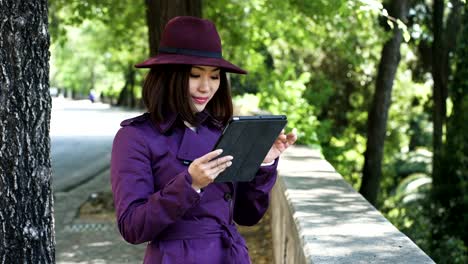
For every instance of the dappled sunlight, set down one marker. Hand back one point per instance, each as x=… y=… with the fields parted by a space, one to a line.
x=100 y=244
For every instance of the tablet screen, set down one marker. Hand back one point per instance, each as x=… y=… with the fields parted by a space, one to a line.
x=248 y=139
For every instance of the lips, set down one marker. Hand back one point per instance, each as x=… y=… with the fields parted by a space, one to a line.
x=200 y=100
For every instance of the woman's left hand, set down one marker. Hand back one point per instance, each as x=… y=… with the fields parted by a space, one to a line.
x=282 y=142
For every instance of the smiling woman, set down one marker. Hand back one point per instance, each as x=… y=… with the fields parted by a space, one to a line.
x=203 y=84
x=163 y=165
x=187 y=90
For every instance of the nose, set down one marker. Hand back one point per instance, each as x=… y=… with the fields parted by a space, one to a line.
x=205 y=84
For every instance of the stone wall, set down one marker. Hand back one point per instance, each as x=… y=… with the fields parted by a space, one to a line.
x=317 y=217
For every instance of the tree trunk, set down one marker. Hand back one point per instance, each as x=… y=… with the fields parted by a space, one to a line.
x=159 y=12
x=450 y=190
x=121 y=100
x=439 y=75
x=378 y=113
x=26 y=200
x=442 y=46
x=127 y=95
x=131 y=82
x=455 y=167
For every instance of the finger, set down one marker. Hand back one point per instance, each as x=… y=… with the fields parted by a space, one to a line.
x=291 y=138
x=218 y=161
x=217 y=173
x=282 y=138
x=293 y=132
x=210 y=155
x=218 y=169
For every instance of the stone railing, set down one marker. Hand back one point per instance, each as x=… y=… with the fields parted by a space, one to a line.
x=317 y=217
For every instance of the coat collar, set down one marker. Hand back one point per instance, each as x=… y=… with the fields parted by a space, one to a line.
x=195 y=145
x=171 y=118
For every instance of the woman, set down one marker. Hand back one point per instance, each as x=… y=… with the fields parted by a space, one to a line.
x=162 y=167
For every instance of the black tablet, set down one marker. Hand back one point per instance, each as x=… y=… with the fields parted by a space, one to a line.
x=248 y=139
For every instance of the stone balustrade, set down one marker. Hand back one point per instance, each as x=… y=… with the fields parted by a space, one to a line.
x=317 y=217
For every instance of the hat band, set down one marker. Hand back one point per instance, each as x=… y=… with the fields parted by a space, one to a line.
x=191 y=52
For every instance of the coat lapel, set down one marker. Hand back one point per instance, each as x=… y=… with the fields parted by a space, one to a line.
x=195 y=145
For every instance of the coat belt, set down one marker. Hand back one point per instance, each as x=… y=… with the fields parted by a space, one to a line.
x=183 y=230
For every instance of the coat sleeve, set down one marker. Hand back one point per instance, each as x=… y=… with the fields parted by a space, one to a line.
x=142 y=213
x=253 y=198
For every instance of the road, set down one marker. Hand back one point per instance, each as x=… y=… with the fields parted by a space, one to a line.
x=81 y=137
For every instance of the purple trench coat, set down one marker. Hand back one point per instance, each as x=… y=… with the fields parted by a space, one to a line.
x=155 y=202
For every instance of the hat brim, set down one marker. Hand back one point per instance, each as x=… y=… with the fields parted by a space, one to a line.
x=164 y=58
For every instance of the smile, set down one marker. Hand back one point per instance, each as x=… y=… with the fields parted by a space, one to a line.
x=200 y=100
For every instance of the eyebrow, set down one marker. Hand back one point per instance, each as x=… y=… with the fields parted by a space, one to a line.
x=203 y=69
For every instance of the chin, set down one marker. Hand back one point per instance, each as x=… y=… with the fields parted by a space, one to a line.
x=200 y=108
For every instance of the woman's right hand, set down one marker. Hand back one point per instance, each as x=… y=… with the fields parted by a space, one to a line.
x=205 y=169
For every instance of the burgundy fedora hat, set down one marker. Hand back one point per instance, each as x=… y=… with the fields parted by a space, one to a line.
x=193 y=41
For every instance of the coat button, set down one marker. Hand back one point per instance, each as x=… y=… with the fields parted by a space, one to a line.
x=227 y=197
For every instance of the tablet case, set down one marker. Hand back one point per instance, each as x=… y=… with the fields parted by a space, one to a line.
x=248 y=139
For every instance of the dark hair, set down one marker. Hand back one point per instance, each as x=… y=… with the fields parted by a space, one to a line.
x=166 y=90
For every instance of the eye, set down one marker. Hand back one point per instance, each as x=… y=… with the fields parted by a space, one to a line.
x=215 y=77
x=193 y=75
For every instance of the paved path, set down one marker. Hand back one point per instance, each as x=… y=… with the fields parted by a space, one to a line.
x=89 y=240
x=81 y=138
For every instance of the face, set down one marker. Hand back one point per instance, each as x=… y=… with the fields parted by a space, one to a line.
x=203 y=83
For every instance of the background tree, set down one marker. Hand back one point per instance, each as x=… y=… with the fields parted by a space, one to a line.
x=445 y=31
x=97 y=28
x=26 y=200
x=378 y=113
x=96 y=44
x=449 y=210
x=159 y=12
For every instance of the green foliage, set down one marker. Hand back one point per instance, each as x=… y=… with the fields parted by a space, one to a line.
x=450 y=195
x=406 y=208
x=286 y=96
x=417 y=161
x=451 y=250
x=318 y=66
x=94 y=42
x=437 y=220
x=413 y=188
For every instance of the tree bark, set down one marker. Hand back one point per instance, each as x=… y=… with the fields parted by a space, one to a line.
x=439 y=76
x=378 y=113
x=442 y=46
x=127 y=95
x=159 y=12
x=26 y=213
